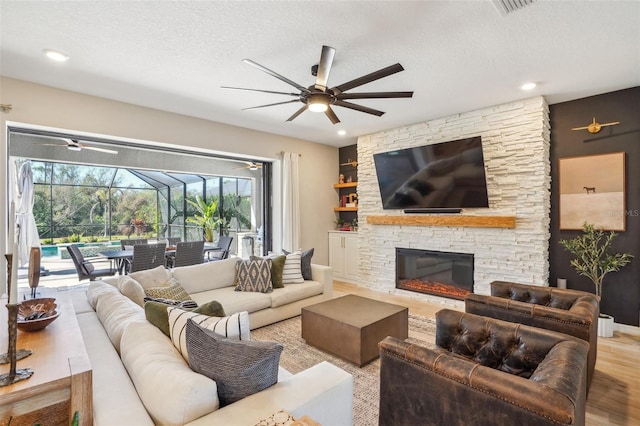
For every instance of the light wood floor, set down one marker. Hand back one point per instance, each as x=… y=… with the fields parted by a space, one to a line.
x=614 y=397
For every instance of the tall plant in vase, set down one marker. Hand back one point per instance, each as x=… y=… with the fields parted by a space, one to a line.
x=593 y=259
x=207 y=217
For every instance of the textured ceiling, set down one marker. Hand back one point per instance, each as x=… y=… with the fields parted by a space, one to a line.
x=458 y=55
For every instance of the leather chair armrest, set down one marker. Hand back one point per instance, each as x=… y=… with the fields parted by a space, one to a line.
x=425 y=384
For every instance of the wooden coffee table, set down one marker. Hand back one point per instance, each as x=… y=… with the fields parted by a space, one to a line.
x=352 y=326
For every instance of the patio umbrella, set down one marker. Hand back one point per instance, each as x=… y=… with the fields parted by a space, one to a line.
x=24 y=214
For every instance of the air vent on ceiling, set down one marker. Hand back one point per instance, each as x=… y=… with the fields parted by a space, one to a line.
x=507 y=6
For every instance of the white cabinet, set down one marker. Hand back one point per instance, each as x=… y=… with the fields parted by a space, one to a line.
x=343 y=255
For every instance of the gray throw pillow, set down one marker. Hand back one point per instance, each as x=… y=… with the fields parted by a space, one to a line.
x=239 y=368
x=306 y=263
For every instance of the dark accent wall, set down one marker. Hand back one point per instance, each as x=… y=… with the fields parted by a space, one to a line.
x=621 y=290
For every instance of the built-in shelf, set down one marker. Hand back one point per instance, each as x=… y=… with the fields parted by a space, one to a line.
x=345 y=185
x=446 y=220
x=345 y=209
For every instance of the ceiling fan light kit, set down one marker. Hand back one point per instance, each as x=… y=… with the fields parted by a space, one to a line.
x=320 y=98
x=318 y=102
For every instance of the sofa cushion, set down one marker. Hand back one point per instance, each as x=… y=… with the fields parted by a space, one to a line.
x=117 y=402
x=305 y=262
x=172 y=393
x=293 y=293
x=206 y=276
x=254 y=275
x=235 y=301
x=156 y=313
x=240 y=368
x=115 y=310
x=235 y=326
x=172 y=291
x=132 y=289
x=292 y=273
x=156 y=277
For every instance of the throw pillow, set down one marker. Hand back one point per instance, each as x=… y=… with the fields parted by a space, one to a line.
x=254 y=275
x=173 y=290
x=234 y=326
x=131 y=288
x=292 y=272
x=239 y=368
x=156 y=313
x=182 y=304
x=155 y=277
x=305 y=264
x=277 y=266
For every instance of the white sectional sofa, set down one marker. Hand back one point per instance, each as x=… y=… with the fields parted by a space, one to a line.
x=139 y=378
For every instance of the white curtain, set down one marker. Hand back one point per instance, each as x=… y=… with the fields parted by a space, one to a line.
x=24 y=214
x=290 y=202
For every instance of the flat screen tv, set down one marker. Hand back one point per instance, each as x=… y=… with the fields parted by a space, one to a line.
x=447 y=175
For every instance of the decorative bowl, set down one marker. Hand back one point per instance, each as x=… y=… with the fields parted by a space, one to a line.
x=36 y=314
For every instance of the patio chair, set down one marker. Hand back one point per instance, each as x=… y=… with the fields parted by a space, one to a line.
x=189 y=253
x=84 y=268
x=147 y=256
x=173 y=241
x=224 y=244
x=127 y=244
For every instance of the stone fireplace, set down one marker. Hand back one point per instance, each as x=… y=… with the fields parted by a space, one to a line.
x=516 y=146
x=438 y=273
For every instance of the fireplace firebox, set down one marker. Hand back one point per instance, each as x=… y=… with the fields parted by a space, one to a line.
x=438 y=273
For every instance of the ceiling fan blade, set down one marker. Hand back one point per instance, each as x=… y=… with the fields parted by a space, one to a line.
x=276 y=75
x=260 y=90
x=53 y=144
x=268 y=105
x=332 y=116
x=375 y=95
x=95 y=148
x=376 y=75
x=297 y=113
x=613 y=123
x=358 y=108
x=580 y=128
x=324 y=67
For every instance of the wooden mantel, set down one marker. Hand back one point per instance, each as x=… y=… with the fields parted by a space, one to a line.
x=445 y=220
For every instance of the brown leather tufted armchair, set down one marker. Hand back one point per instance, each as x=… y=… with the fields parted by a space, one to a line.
x=483 y=371
x=568 y=311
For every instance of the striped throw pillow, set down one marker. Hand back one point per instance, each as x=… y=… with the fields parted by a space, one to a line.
x=234 y=326
x=292 y=272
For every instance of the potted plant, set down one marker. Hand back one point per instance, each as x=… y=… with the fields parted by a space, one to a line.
x=207 y=217
x=593 y=259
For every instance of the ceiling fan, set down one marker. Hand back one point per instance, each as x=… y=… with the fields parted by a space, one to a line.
x=251 y=165
x=319 y=97
x=74 y=145
x=595 y=127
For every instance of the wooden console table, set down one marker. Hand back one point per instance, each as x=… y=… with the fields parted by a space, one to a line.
x=61 y=384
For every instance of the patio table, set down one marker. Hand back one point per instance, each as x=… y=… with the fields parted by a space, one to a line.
x=121 y=257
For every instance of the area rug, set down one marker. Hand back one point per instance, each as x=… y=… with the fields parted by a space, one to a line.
x=298 y=356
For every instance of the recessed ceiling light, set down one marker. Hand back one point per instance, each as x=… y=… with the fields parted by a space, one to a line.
x=528 y=86
x=55 y=55
x=342 y=132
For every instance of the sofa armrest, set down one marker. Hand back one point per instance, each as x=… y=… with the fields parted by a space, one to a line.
x=323 y=274
x=323 y=392
x=421 y=383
